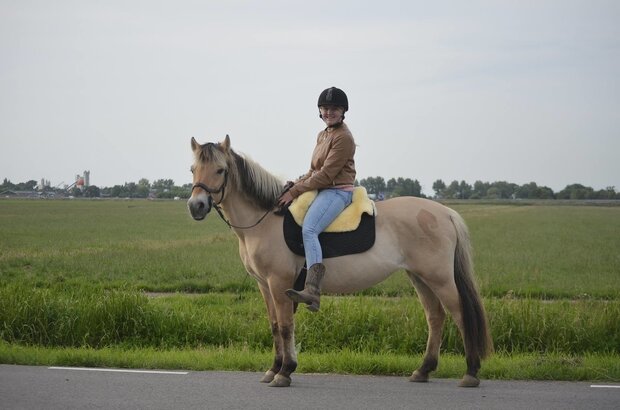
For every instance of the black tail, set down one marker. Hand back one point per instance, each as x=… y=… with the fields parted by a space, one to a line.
x=477 y=339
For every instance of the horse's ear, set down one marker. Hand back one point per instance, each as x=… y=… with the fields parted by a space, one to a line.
x=226 y=144
x=195 y=144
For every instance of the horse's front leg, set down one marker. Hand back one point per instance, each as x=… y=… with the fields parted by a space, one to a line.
x=275 y=332
x=286 y=331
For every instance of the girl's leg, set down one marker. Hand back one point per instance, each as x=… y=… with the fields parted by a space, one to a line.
x=325 y=208
x=328 y=204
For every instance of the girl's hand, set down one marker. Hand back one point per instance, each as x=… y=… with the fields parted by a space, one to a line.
x=285 y=199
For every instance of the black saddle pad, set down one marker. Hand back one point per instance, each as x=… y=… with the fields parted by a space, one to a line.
x=332 y=243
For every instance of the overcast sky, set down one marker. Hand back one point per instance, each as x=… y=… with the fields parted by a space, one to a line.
x=518 y=91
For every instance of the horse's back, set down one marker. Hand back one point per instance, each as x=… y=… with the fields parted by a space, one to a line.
x=423 y=229
x=405 y=208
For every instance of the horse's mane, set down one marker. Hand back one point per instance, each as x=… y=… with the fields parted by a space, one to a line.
x=256 y=182
x=252 y=180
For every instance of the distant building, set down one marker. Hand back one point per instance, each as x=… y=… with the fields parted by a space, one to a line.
x=9 y=193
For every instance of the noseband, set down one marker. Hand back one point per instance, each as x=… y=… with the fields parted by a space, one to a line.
x=211 y=191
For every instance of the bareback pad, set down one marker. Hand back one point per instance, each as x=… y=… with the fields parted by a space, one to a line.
x=356 y=235
x=349 y=218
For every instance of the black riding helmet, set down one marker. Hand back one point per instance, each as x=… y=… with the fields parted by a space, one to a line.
x=334 y=96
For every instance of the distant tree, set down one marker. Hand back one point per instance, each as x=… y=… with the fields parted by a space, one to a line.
x=163 y=184
x=544 y=192
x=439 y=187
x=391 y=185
x=607 y=193
x=144 y=188
x=76 y=192
x=458 y=190
x=465 y=190
x=374 y=185
x=526 y=191
x=480 y=190
x=26 y=186
x=6 y=184
x=130 y=189
x=503 y=190
x=452 y=191
x=404 y=187
x=115 y=192
x=576 y=191
x=92 y=191
x=144 y=182
x=493 y=193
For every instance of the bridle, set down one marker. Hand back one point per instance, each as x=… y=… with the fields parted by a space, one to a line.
x=211 y=191
x=221 y=190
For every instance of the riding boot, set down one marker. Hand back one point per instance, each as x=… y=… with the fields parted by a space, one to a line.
x=311 y=295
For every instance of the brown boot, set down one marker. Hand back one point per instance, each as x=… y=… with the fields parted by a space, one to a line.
x=311 y=295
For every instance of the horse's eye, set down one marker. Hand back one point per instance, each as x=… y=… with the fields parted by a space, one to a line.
x=191 y=169
x=220 y=171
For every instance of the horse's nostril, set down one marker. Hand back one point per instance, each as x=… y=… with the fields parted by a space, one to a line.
x=201 y=206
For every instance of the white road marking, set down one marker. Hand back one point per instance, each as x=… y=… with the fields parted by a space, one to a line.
x=91 y=369
x=605 y=386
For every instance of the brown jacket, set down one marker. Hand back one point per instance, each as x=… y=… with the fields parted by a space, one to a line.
x=332 y=161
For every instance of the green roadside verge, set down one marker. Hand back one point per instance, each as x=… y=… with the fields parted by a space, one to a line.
x=523 y=366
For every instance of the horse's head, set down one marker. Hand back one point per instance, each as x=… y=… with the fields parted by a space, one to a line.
x=210 y=170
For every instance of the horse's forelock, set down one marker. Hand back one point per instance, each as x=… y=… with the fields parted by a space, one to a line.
x=210 y=152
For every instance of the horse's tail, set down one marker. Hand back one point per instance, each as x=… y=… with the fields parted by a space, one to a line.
x=477 y=338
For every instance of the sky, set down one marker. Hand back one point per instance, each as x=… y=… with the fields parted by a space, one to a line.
x=515 y=91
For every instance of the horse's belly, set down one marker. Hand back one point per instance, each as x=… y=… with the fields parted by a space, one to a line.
x=358 y=272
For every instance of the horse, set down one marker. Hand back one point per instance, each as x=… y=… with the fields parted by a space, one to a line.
x=428 y=240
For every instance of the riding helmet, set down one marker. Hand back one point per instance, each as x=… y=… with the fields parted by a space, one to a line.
x=334 y=96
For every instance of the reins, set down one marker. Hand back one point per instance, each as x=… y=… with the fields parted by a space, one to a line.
x=216 y=205
x=219 y=211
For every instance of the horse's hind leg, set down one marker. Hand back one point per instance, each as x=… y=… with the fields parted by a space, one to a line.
x=450 y=298
x=435 y=317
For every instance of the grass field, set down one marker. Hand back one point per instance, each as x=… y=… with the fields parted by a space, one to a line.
x=73 y=276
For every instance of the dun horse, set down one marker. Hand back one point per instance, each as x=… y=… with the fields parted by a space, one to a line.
x=426 y=239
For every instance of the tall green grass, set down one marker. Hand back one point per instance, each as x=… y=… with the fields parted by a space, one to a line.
x=97 y=318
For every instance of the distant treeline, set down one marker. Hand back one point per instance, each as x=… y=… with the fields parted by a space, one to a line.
x=161 y=188
x=482 y=190
x=165 y=188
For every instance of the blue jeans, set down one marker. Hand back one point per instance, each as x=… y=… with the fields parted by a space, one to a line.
x=326 y=207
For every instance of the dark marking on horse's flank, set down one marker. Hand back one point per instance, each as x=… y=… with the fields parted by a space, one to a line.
x=428 y=223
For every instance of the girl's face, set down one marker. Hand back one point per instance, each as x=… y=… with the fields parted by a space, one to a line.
x=331 y=115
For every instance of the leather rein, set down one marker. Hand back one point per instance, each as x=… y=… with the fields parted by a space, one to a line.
x=221 y=190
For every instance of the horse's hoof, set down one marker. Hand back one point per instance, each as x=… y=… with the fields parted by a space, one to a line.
x=418 y=377
x=280 y=381
x=268 y=377
x=469 y=381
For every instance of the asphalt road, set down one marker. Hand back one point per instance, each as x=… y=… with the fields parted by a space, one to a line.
x=31 y=387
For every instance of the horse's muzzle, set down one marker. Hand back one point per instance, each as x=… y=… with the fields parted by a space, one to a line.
x=199 y=207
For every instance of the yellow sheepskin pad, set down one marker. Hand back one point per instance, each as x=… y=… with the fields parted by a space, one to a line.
x=350 y=217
